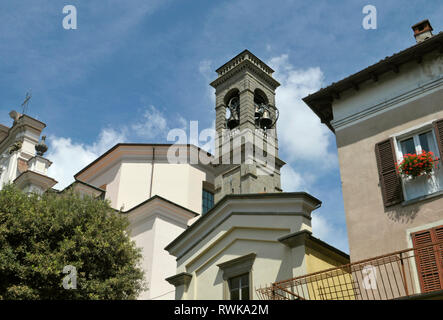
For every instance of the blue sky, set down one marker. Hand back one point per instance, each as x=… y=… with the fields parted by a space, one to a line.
x=135 y=69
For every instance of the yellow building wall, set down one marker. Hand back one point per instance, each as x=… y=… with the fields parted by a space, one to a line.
x=334 y=285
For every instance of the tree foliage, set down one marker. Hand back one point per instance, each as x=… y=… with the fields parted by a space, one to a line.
x=40 y=235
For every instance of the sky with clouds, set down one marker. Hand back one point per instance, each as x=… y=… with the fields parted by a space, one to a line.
x=133 y=70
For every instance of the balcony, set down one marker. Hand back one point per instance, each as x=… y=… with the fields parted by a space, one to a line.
x=408 y=274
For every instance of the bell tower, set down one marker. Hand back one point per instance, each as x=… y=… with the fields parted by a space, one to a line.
x=246 y=117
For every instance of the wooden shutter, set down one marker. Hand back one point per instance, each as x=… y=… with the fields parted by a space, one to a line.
x=390 y=182
x=429 y=259
x=438 y=127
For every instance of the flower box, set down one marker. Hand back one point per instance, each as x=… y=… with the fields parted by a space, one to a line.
x=416 y=165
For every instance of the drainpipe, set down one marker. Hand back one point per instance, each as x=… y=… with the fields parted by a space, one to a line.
x=152 y=172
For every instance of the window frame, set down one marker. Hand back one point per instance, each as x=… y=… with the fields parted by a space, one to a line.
x=205 y=191
x=409 y=237
x=237 y=267
x=415 y=136
x=208 y=188
x=414 y=133
x=240 y=287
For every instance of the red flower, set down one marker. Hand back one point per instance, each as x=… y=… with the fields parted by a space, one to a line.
x=416 y=164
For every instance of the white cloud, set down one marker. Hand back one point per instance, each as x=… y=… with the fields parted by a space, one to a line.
x=290 y=180
x=300 y=131
x=152 y=125
x=69 y=157
x=320 y=227
x=206 y=69
x=329 y=232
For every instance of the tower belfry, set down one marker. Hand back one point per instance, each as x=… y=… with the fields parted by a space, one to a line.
x=246 y=119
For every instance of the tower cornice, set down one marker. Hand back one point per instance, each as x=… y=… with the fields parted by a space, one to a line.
x=245 y=60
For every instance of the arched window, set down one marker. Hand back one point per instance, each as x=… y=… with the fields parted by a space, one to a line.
x=232 y=102
x=260 y=97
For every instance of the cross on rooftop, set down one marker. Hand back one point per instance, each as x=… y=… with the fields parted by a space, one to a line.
x=25 y=103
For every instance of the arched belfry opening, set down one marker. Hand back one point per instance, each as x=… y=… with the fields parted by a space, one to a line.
x=232 y=103
x=263 y=114
x=260 y=97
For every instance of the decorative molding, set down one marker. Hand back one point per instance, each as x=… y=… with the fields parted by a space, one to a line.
x=237 y=266
x=208 y=186
x=234 y=213
x=385 y=105
x=295 y=239
x=246 y=64
x=180 y=279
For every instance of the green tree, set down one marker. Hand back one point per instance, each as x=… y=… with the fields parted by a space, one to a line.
x=40 y=235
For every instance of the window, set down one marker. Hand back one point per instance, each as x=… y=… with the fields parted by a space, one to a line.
x=429 y=258
x=237 y=276
x=207 y=201
x=419 y=142
x=395 y=189
x=415 y=143
x=239 y=287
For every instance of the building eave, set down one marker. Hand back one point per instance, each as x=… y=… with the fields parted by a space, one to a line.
x=305 y=237
x=318 y=101
x=119 y=145
x=36 y=178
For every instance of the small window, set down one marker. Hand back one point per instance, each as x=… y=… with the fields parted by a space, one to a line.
x=417 y=143
x=239 y=287
x=207 y=201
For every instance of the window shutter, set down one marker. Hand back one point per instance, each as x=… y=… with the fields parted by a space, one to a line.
x=438 y=127
x=429 y=260
x=390 y=182
x=438 y=233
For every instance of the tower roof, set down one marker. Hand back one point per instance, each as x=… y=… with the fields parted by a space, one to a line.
x=245 y=54
x=244 y=59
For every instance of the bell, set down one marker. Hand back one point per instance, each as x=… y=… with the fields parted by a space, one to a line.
x=234 y=103
x=232 y=121
x=265 y=121
x=257 y=113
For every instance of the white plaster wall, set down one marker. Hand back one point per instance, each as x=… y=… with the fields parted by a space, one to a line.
x=144 y=234
x=110 y=177
x=180 y=183
x=272 y=263
x=128 y=183
x=164 y=265
x=28 y=147
x=134 y=183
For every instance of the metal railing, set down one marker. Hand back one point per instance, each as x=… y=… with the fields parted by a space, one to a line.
x=395 y=275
